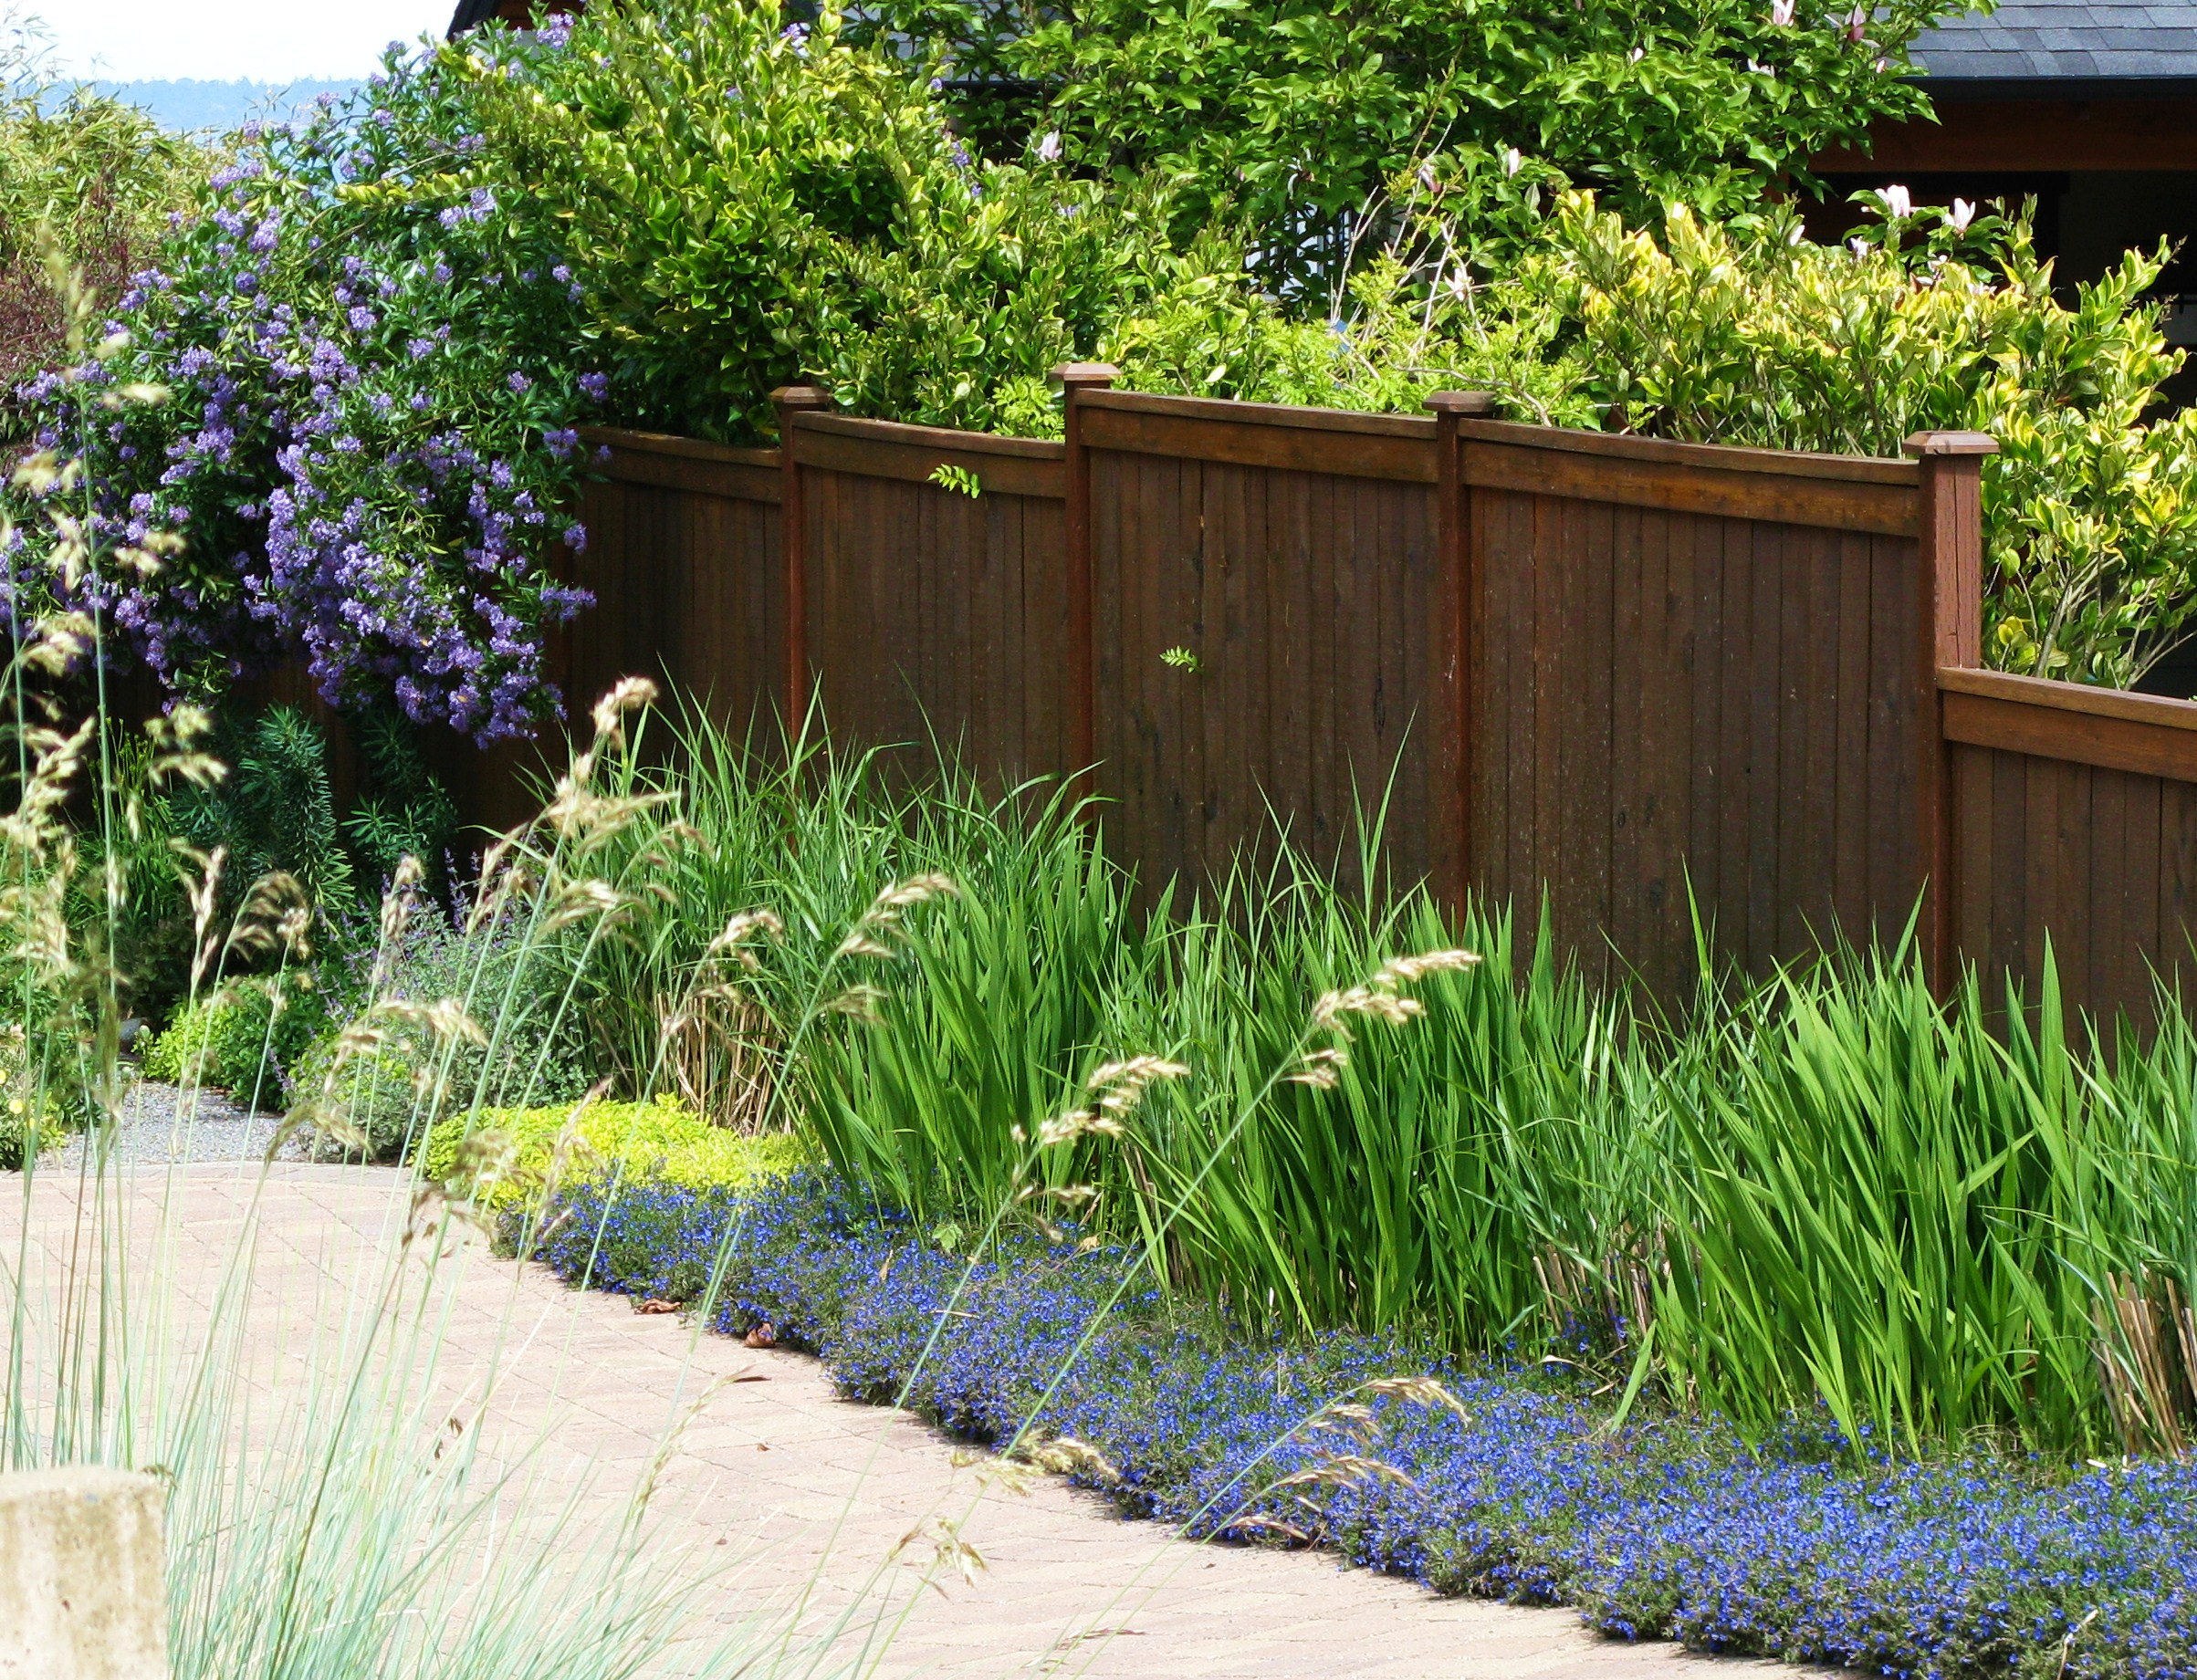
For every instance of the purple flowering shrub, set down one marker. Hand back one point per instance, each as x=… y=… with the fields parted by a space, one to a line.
x=1965 y=1564
x=373 y=365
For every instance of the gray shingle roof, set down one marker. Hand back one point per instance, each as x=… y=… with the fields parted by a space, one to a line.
x=2034 y=39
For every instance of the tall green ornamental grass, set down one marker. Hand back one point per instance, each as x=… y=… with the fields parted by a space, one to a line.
x=1821 y=1188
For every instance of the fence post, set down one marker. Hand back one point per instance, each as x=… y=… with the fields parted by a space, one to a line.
x=1454 y=556
x=791 y=399
x=1076 y=378
x=83 y=1575
x=1950 y=555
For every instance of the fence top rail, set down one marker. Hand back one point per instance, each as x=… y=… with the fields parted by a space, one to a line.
x=2146 y=735
x=1723 y=457
x=1261 y=413
x=686 y=448
x=940 y=438
x=2158 y=710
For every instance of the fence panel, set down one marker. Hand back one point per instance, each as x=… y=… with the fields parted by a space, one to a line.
x=1290 y=557
x=2075 y=811
x=1694 y=669
x=683 y=558
x=1604 y=670
x=930 y=611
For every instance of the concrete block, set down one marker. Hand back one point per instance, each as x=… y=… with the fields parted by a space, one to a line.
x=83 y=1577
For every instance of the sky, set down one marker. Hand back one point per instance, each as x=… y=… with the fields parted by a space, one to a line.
x=222 y=40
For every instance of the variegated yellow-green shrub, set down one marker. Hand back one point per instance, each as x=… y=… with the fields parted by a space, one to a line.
x=1926 y=319
x=503 y=1155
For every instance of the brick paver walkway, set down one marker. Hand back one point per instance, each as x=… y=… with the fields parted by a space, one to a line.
x=816 y=1491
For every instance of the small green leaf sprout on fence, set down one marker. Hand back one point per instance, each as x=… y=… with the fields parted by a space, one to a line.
x=1182 y=658
x=958 y=478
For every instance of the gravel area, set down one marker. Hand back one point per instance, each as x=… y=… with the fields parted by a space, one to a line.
x=162 y=1124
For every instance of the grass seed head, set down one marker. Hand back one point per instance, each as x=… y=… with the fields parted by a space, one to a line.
x=1419 y=1391
x=630 y=694
x=1346 y=1470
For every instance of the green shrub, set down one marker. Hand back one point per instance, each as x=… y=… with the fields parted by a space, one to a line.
x=1743 y=332
x=1750 y=336
x=137 y=907
x=248 y=1038
x=504 y=1156
x=403 y=810
x=273 y=812
x=516 y=988
x=388 y=1095
x=36 y=1114
x=1296 y=117
x=84 y=179
x=749 y=205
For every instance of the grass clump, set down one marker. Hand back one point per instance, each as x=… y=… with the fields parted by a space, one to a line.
x=1936 y=1218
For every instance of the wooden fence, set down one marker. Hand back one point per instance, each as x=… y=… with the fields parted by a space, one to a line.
x=1629 y=676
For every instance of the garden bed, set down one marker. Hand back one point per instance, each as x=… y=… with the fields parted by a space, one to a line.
x=1658 y=1527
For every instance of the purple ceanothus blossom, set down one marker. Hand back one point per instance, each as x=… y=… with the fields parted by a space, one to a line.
x=347 y=494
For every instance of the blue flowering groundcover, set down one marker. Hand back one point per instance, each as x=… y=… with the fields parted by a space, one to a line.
x=1663 y=1528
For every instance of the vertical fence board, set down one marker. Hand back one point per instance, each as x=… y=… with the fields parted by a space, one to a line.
x=2147 y=928
x=1628 y=568
x=1764 y=685
x=1663 y=675
x=1850 y=873
x=1704 y=849
x=2101 y=890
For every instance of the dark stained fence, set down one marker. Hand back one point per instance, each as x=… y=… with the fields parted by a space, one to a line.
x=1611 y=674
x=932 y=612
x=2075 y=812
x=1695 y=681
x=1286 y=558
x=683 y=556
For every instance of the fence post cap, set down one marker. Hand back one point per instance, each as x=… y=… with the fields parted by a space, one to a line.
x=1926 y=444
x=1466 y=402
x=801 y=396
x=1086 y=373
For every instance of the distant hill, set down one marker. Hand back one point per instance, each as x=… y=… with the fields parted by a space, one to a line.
x=185 y=106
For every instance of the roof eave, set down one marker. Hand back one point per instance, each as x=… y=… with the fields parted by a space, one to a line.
x=2011 y=90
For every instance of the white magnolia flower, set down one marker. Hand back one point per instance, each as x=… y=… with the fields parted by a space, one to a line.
x=1960 y=215
x=1048 y=148
x=1897 y=205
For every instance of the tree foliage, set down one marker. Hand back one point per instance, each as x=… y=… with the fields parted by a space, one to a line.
x=85 y=177
x=1292 y=115
x=755 y=204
